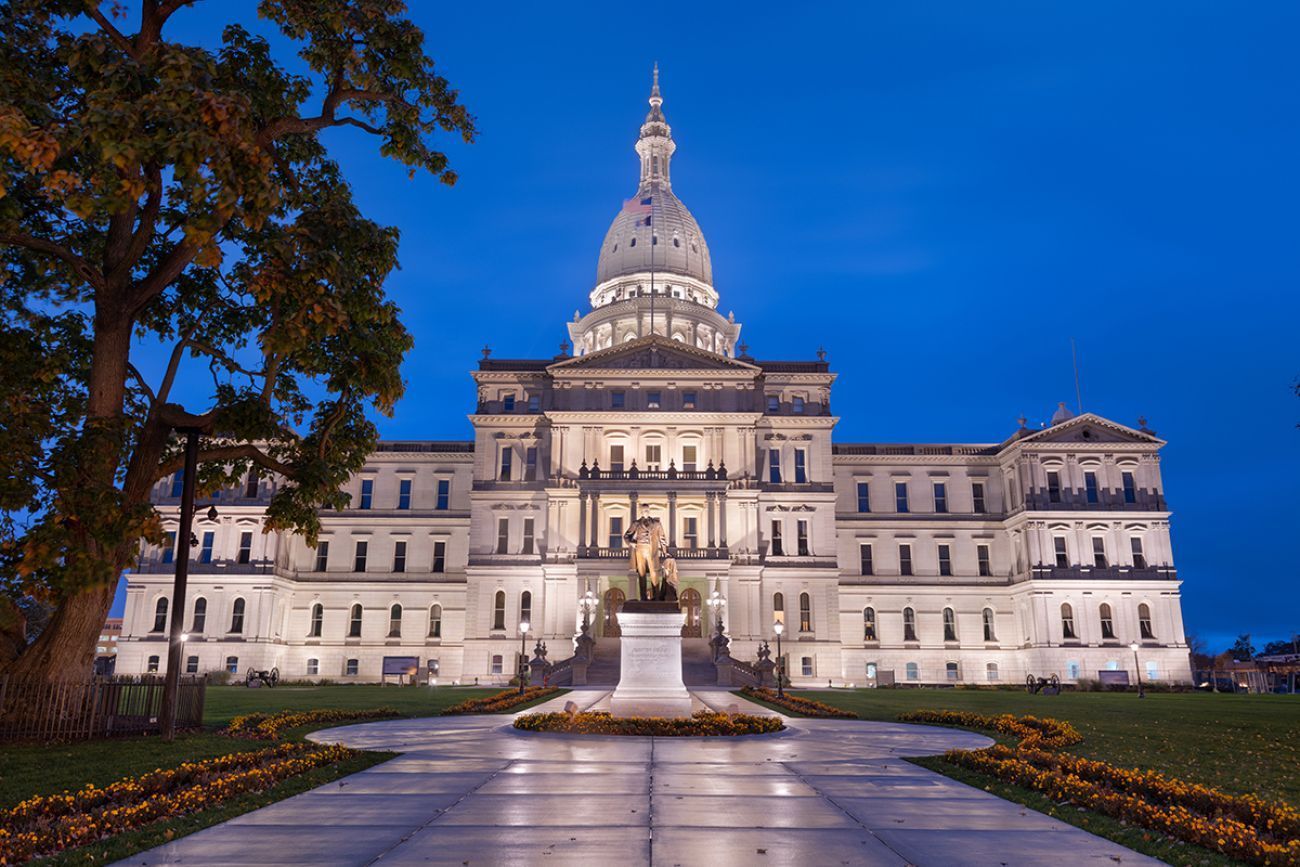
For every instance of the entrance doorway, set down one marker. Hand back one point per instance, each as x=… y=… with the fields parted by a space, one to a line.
x=614 y=599
x=690 y=602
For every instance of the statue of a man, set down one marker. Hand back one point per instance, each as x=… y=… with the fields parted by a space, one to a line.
x=646 y=539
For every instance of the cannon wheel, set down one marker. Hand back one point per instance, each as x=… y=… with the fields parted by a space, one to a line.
x=1055 y=682
x=275 y=675
x=250 y=677
x=1031 y=683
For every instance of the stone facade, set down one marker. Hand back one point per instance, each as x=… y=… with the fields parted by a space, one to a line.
x=929 y=563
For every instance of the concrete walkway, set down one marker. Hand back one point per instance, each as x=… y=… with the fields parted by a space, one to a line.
x=473 y=791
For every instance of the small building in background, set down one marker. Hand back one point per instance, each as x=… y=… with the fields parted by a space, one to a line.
x=106 y=647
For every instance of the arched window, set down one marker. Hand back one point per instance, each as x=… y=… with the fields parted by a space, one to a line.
x=525 y=606
x=497 y=662
x=354 y=621
x=909 y=624
x=913 y=671
x=395 y=621
x=200 y=621
x=499 y=610
x=1144 y=621
x=160 y=615
x=1067 y=621
x=868 y=624
x=989 y=634
x=435 y=621
x=778 y=607
x=237 y=616
x=952 y=672
x=949 y=625
x=805 y=612
x=1072 y=670
x=152 y=667
x=317 y=620
x=991 y=671
x=1107 y=621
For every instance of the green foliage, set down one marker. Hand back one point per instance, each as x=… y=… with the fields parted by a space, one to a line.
x=1242 y=650
x=153 y=192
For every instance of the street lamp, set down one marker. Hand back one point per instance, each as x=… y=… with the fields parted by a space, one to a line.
x=587 y=604
x=1137 y=670
x=715 y=604
x=523 y=652
x=778 y=627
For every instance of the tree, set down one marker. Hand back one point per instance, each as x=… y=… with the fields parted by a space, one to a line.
x=1286 y=645
x=1242 y=650
x=159 y=193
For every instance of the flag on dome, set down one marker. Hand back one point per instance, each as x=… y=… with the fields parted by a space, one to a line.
x=637 y=206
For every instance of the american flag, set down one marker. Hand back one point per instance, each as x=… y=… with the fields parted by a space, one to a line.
x=637 y=206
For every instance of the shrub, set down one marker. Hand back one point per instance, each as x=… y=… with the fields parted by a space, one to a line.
x=803 y=706
x=267 y=726
x=501 y=701
x=700 y=724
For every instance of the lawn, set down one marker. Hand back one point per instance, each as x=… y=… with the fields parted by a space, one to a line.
x=40 y=769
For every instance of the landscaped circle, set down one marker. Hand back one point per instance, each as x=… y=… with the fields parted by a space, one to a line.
x=701 y=724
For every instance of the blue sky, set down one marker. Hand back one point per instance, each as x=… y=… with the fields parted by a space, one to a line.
x=941 y=194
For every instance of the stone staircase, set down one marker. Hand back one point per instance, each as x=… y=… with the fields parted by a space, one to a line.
x=697 y=663
x=605 y=669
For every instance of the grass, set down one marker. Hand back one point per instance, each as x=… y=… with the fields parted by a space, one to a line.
x=43 y=769
x=1238 y=743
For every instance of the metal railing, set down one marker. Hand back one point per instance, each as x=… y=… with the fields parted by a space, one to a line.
x=592 y=552
x=99 y=707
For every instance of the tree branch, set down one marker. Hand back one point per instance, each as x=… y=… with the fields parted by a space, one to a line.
x=107 y=26
x=135 y=373
x=80 y=266
x=242 y=451
x=168 y=270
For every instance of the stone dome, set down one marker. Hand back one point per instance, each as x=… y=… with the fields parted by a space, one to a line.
x=672 y=243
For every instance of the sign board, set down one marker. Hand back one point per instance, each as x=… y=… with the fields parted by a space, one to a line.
x=1113 y=678
x=401 y=665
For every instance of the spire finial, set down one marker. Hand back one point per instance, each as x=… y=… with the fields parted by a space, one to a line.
x=655 y=99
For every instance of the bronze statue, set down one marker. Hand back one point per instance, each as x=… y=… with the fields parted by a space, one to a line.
x=646 y=540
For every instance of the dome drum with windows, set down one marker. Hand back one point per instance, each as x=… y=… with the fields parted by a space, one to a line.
x=654 y=274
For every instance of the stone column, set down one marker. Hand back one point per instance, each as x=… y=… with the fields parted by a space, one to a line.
x=631 y=500
x=722 y=518
x=708 y=504
x=595 y=519
x=582 y=521
x=672 y=519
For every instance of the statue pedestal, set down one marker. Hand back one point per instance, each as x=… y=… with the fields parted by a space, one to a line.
x=650 y=676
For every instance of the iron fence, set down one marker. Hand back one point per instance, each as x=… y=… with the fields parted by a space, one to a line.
x=33 y=709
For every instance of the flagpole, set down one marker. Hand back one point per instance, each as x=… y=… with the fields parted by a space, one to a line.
x=653 y=227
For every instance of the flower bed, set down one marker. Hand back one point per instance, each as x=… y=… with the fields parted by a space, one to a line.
x=48 y=824
x=805 y=706
x=702 y=724
x=266 y=726
x=504 y=700
x=1239 y=826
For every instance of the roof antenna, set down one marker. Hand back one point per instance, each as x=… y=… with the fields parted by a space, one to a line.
x=1078 y=394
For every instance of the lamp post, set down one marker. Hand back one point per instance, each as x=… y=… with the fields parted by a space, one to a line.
x=1137 y=670
x=715 y=604
x=184 y=537
x=523 y=652
x=778 y=627
x=587 y=604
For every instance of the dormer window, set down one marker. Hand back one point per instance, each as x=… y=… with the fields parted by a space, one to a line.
x=796 y=404
x=508 y=402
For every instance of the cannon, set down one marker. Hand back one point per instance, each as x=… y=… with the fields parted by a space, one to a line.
x=262 y=678
x=1043 y=685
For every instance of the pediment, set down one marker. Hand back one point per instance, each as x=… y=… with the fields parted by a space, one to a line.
x=1092 y=429
x=652 y=353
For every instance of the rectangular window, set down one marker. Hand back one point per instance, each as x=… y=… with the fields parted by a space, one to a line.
x=617 y=399
x=691 y=532
x=507 y=462
x=444 y=495
x=439 y=556
x=191 y=665
x=404 y=494
x=1062 y=558
x=945 y=560
x=169 y=548
x=940 y=497
x=805 y=612
x=653 y=399
x=178 y=485
x=359 y=557
x=399 y=557
x=232 y=664
x=776 y=539
x=530 y=464
x=1090 y=486
x=868 y=568
x=977 y=497
x=803 y=538
x=985 y=560
x=806 y=666
x=796 y=405
x=322 y=555
x=508 y=402
x=653 y=456
x=313 y=667
x=1053 y=487
x=616 y=459
x=1139 y=557
x=900 y=496
x=503 y=535
x=367 y=492
x=800 y=466
x=904 y=559
x=245 y=547
x=616 y=531
x=351 y=667
x=497 y=662
x=1099 y=552
x=251 y=485
x=774 y=466
x=688 y=459
x=153 y=665
x=1130 y=487
x=773 y=403
x=689 y=399
x=205 y=552
x=528 y=536
x=534 y=403
x=864 y=497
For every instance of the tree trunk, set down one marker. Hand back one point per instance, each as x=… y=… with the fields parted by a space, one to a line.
x=65 y=650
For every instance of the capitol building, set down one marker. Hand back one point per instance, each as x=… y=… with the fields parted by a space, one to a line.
x=1044 y=550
